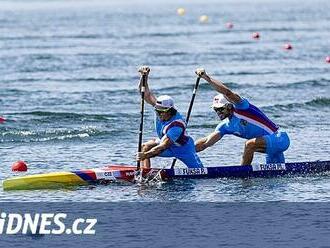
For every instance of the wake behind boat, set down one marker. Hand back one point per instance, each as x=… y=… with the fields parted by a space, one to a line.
x=113 y=173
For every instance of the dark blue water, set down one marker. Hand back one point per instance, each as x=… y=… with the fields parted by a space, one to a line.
x=68 y=88
x=189 y=224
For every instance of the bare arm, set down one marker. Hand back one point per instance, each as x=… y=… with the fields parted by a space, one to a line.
x=149 y=97
x=207 y=141
x=153 y=152
x=220 y=87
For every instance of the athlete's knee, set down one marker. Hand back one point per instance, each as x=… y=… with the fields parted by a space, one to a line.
x=250 y=145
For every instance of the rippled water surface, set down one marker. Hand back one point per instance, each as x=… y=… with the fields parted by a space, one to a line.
x=68 y=88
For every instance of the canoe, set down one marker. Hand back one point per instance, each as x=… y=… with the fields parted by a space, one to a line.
x=113 y=173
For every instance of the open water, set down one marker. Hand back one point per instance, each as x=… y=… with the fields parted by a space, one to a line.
x=68 y=89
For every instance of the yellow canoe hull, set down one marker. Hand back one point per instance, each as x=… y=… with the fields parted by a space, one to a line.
x=51 y=180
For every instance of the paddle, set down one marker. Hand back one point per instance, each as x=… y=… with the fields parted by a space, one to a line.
x=199 y=73
x=144 y=70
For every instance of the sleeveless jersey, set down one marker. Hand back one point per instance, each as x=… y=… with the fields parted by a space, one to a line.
x=174 y=129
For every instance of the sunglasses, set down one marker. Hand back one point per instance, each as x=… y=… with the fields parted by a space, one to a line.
x=159 y=111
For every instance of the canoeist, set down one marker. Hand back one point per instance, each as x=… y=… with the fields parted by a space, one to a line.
x=173 y=140
x=240 y=118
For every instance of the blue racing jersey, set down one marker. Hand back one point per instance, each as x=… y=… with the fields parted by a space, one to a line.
x=247 y=122
x=174 y=129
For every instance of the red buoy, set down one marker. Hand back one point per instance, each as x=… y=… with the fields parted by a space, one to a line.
x=255 y=35
x=327 y=59
x=19 y=166
x=229 y=25
x=2 y=119
x=287 y=46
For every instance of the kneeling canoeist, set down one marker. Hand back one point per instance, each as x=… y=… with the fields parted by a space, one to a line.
x=240 y=118
x=173 y=140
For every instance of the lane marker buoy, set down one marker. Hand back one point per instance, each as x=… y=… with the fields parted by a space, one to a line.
x=203 y=19
x=229 y=25
x=327 y=59
x=19 y=166
x=181 y=11
x=287 y=46
x=256 y=35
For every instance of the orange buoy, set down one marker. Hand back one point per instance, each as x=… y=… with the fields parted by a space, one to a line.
x=19 y=166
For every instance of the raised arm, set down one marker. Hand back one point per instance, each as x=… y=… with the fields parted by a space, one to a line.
x=149 y=97
x=220 y=87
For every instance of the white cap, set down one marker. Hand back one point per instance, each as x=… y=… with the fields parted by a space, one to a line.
x=219 y=101
x=164 y=102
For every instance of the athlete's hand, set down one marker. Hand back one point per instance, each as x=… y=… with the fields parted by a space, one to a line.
x=140 y=156
x=144 y=70
x=201 y=73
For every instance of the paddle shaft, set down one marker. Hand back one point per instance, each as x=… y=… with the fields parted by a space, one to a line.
x=189 y=110
x=144 y=79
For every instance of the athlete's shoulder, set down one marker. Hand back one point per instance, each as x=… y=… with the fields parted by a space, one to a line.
x=243 y=104
x=178 y=118
x=223 y=127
